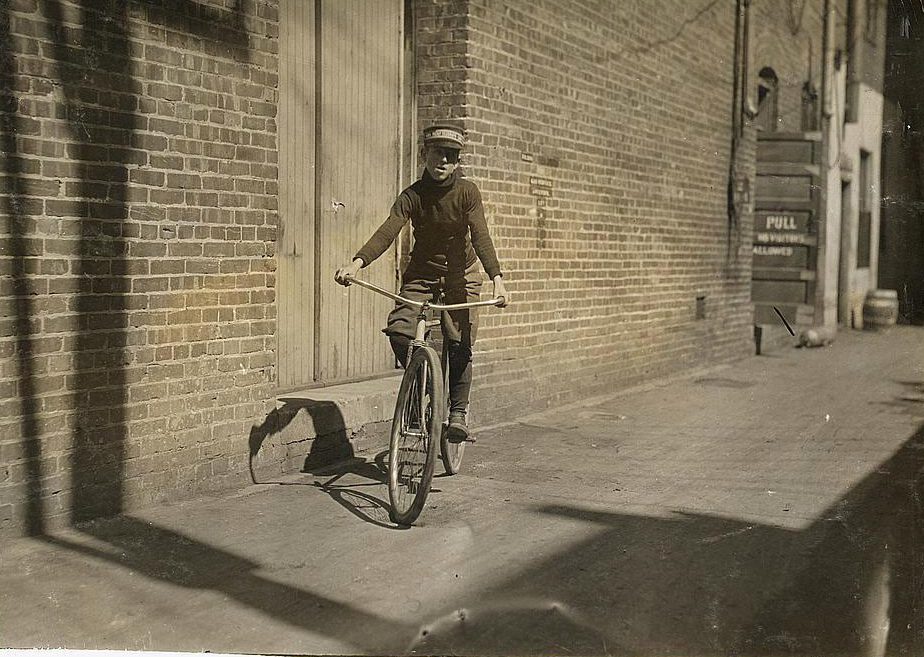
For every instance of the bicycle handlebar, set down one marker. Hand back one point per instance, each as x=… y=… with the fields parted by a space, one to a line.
x=420 y=304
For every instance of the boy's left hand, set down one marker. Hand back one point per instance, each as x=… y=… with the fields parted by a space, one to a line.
x=500 y=291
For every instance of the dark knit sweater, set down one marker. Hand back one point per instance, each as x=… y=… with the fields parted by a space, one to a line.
x=449 y=226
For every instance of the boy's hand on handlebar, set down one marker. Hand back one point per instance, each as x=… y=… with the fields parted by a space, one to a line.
x=344 y=274
x=500 y=292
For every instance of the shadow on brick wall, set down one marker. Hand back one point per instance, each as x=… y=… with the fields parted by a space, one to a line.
x=331 y=455
x=19 y=210
x=320 y=421
x=96 y=103
x=93 y=80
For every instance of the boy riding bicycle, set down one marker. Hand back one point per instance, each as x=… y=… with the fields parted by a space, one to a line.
x=450 y=231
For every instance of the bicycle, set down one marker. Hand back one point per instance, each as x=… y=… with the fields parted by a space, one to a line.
x=420 y=413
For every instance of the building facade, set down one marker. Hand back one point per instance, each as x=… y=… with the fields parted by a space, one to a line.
x=820 y=99
x=901 y=246
x=181 y=179
x=854 y=161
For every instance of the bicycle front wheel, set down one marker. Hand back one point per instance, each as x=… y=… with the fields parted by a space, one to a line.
x=415 y=431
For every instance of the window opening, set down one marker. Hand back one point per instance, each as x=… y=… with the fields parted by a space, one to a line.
x=767 y=100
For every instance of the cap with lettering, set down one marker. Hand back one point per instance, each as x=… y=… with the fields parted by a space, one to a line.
x=445 y=135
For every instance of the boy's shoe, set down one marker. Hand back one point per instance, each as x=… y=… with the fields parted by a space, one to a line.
x=458 y=429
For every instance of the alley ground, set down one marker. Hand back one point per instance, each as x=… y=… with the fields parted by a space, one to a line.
x=768 y=507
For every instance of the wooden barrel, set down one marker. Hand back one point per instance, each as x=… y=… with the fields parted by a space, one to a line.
x=880 y=310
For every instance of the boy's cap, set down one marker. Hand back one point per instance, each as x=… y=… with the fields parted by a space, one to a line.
x=442 y=134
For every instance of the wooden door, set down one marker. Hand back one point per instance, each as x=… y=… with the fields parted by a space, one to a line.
x=340 y=151
x=785 y=227
x=359 y=159
x=295 y=241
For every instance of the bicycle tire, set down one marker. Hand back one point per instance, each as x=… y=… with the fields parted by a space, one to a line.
x=417 y=421
x=451 y=452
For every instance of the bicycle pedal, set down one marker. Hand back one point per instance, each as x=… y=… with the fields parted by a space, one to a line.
x=459 y=436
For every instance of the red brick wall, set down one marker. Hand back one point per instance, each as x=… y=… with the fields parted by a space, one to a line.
x=137 y=314
x=625 y=110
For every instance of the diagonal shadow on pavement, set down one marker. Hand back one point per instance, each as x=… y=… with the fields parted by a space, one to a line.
x=162 y=554
x=849 y=583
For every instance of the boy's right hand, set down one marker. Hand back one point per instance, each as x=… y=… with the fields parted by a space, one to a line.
x=344 y=274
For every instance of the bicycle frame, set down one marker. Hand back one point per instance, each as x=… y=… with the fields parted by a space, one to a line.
x=429 y=411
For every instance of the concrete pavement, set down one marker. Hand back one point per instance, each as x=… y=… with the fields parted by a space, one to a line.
x=769 y=507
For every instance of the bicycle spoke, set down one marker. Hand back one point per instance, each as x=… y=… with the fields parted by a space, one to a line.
x=412 y=451
x=422 y=412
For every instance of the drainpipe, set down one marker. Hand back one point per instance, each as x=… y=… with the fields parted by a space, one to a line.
x=736 y=78
x=827 y=79
x=739 y=95
x=745 y=62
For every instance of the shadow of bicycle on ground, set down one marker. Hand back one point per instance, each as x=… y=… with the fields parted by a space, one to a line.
x=357 y=483
x=331 y=456
x=343 y=488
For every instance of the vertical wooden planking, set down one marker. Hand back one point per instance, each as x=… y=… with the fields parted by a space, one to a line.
x=296 y=247
x=359 y=158
x=407 y=139
x=359 y=29
x=392 y=98
x=385 y=29
x=332 y=212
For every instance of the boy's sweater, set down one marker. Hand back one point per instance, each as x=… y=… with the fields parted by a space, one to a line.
x=449 y=226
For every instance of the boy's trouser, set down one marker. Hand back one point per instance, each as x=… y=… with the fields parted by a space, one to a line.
x=459 y=326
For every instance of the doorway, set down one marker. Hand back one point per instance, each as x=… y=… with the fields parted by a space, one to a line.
x=340 y=121
x=844 y=317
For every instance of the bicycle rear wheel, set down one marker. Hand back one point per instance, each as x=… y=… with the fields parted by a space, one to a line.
x=415 y=428
x=450 y=452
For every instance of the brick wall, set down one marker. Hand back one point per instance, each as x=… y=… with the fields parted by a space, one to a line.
x=137 y=314
x=788 y=38
x=139 y=183
x=622 y=111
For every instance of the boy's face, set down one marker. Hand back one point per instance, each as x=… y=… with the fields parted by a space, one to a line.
x=440 y=161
